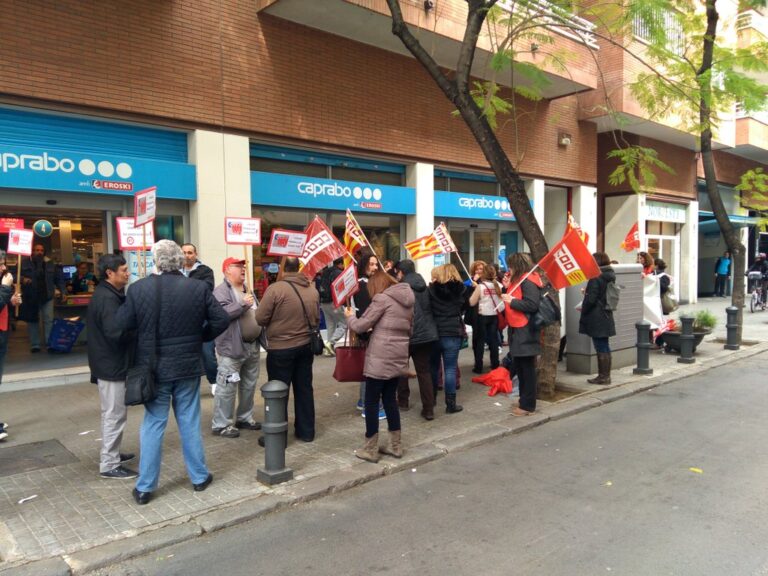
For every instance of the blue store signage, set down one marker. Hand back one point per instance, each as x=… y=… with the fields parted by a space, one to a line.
x=288 y=191
x=474 y=206
x=68 y=171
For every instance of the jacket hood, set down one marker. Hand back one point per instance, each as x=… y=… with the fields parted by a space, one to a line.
x=448 y=291
x=415 y=281
x=401 y=294
x=607 y=274
x=297 y=278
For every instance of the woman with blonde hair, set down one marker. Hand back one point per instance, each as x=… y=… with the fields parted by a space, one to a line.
x=388 y=320
x=522 y=299
x=449 y=297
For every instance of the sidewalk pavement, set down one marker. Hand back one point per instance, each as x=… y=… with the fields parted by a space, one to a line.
x=57 y=516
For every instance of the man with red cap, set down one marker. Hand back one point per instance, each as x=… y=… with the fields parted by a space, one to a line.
x=238 y=348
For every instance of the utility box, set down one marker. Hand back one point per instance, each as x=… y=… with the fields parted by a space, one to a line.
x=581 y=355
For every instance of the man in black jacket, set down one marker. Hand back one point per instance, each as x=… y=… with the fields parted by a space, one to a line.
x=172 y=315
x=195 y=269
x=109 y=356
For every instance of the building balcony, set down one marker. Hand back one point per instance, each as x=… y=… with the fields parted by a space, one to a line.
x=440 y=29
x=752 y=137
x=752 y=27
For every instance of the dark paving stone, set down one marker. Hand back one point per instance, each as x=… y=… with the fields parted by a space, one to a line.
x=34 y=456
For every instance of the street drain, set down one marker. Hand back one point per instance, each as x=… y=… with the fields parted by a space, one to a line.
x=33 y=456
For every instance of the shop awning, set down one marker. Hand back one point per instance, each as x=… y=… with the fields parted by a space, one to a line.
x=707 y=222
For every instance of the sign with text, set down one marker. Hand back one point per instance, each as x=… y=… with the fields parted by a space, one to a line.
x=144 y=206
x=242 y=230
x=20 y=241
x=286 y=242
x=131 y=237
x=474 y=206
x=345 y=285
x=7 y=224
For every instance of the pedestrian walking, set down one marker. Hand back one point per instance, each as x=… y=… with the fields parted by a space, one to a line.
x=239 y=348
x=183 y=314
x=7 y=300
x=423 y=338
x=335 y=322
x=522 y=299
x=110 y=353
x=195 y=269
x=449 y=297
x=388 y=318
x=596 y=319
x=41 y=282
x=290 y=311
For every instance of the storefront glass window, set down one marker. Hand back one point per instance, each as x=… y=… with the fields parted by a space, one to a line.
x=382 y=231
x=287 y=167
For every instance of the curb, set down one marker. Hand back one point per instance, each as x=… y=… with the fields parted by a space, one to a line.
x=232 y=514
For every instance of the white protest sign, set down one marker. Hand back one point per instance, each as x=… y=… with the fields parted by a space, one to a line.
x=131 y=237
x=345 y=285
x=20 y=241
x=242 y=230
x=286 y=243
x=144 y=206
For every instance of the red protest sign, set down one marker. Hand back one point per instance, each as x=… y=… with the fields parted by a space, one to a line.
x=20 y=241
x=345 y=285
x=7 y=224
x=144 y=206
x=286 y=242
x=245 y=231
x=130 y=237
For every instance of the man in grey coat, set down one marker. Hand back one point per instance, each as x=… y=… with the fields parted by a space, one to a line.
x=238 y=348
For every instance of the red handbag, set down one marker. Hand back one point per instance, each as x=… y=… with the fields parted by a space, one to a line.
x=350 y=361
x=502 y=316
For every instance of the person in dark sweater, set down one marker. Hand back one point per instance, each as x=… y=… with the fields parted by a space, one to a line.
x=597 y=319
x=195 y=269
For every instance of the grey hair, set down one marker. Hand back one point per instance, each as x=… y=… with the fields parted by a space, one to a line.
x=168 y=256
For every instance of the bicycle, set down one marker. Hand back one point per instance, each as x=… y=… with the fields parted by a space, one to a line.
x=757 y=297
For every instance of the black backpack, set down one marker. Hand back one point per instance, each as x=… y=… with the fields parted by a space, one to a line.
x=326 y=278
x=548 y=312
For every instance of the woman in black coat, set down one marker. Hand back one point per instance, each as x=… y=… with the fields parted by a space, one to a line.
x=597 y=318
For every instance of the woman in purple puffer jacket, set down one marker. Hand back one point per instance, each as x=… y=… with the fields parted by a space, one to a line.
x=388 y=319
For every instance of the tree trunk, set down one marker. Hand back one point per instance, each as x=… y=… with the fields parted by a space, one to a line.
x=732 y=240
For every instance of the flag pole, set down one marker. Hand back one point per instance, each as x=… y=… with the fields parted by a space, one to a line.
x=18 y=279
x=463 y=265
x=367 y=242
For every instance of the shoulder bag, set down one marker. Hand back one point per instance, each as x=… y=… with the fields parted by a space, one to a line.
x=350 y=362
x=140 y=384
x=315 y=339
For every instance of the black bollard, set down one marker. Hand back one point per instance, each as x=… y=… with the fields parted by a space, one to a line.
x=643 y=348
x=686 y=341
x=275 y=429
x=732 y=328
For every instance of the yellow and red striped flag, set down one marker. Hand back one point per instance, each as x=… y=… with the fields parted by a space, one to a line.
x=423 y=247
x=353 y=237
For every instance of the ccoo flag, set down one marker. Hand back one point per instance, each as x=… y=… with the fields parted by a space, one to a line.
x=353 y=237
x=320 y=249
x=569 y=262
x=632 y=241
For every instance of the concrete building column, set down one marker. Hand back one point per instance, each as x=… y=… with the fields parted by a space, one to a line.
x=689 y=255
x=584 y=210
x=421 y=176
x=535 y=191
x=223 y=189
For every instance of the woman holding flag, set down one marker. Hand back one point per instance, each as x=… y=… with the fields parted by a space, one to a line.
x=523 y=292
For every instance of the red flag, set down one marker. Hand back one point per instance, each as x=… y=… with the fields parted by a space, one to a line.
x=569 y=262
x=573 y=225
x=321 y=248
x=632 y=241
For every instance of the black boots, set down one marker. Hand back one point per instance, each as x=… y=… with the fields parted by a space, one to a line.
x=450 y=404
x=603 y=369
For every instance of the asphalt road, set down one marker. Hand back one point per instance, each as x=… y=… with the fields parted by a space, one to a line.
x=669 y=482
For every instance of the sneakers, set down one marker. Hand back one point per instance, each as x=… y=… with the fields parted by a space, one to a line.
x=248 y=425
x=382 y=414
x=3 y=433
x=328 y=349
x=228 y=432
x=120 y=473
x=360 y=405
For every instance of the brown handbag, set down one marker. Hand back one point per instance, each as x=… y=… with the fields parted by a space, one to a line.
x=350 y=361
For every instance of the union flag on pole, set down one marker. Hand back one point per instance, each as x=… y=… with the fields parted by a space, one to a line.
x=569 y=262
x=353 y=237
x=444 y=238
x=321 y=248
x=573 y=225
x=439 y=242
x=632 y=241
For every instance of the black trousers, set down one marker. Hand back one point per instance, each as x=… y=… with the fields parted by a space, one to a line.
x=486 y=331
x=294 y=367
x=386 y=390
x=525 y=368
x=421 y=353
x=721 y=281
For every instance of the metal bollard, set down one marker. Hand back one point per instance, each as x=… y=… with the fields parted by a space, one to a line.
x=275 y=429
x=732 y=328
x=686 y=341
x=643 y=348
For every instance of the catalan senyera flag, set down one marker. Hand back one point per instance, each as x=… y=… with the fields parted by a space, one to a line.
x=444 y=239
x=632 y=241
x=353 y=237
x=569 y=262
x=573 y=225
x=320 y=249
x=423 y=247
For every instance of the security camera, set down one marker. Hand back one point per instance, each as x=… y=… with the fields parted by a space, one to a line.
x=565 y=141
x=429 y=5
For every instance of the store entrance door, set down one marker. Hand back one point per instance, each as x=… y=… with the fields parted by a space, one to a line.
x=668 y=249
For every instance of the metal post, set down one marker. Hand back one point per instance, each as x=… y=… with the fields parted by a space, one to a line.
x=643 y=347
x=732 y=328
x=686 y=341
x=275 y=429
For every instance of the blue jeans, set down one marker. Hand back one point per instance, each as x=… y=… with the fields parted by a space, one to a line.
x=447 y=350
x=209 y=361
x=33 y=328
x=185 y=396
x=601 y=345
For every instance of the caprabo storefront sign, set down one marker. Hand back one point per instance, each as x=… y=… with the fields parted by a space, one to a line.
x=458 y=205
x=63 y=170
x=268 y=189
